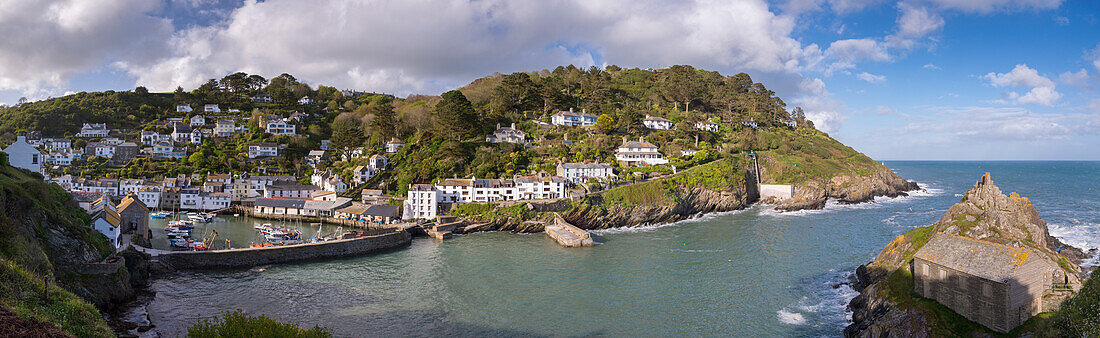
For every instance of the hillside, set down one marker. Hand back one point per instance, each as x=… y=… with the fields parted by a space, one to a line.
x=44 y=240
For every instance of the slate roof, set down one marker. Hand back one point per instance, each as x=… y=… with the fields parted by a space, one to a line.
x=996 y=262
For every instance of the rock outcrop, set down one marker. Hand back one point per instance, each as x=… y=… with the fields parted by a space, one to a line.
x=983 y=213
x=848 y=188
x=690 y=202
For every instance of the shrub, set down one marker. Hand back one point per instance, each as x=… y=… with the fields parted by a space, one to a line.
x=240 y=324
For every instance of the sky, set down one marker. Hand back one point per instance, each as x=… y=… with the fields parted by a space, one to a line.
x=897 y=80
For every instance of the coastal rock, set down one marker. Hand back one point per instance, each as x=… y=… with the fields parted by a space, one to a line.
x=690 y=202
x=848 y=188
x=983 y=213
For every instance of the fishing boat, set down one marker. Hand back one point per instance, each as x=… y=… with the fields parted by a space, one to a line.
x=197 y=218
x=160 y=214
x=262 y=226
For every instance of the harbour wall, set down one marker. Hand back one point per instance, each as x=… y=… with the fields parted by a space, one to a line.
x=249 y=257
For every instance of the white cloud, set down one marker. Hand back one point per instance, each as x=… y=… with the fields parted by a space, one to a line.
x=930 y=66
x=1042 y=88
x=1094 y=56
x=819 y=105
x=376 y=46
x=850 y=6
x=915 y=22
x=872 y=78
x=1040 y=95
x=985 y=123
x=1079 y=78
x=46 y=43
x=858 y=50
x=1020 y=76
x=1061 y=20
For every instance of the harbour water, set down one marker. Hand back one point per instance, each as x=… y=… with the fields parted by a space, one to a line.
x=235 y=231
x=754 y=273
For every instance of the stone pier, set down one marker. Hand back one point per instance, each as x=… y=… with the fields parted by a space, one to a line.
x=567 y=234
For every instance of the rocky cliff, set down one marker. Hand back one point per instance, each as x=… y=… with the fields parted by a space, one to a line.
x=690 y=201
x=45 y=242
x=847 y=188
x=983 y=213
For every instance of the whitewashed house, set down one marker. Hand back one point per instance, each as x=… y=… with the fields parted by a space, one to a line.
x=280 y=127
x=378 y=162
x=507 y=134
x=263 y=149
x=640 y=152
x=211 y=108
x=572 y=119
x=707 y=126
x=181 y=133
x=198 y=120
x=54 y=144
x=262 y=98
x=150 y=196
x=105 y=219
x=579 y=172
x=657 y=122
x=422 y=202
x=225 y=128
x=540 y=186
x=149 y=138
x=94 y=130
x=394 y=145
x=328 y=181
x=183 y=108
x=196 y=136
x=361 y=174
x=305 y=100
x=22 y=155
x=289 y=189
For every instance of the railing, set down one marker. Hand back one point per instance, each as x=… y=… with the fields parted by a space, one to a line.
x=1061 y=287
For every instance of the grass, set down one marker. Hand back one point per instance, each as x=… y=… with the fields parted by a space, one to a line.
x=943 y=321
x=240 y=324
x=21 y=292
x=808 y=155
x=721 y=175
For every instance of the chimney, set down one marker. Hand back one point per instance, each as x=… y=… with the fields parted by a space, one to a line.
x=20 y=139
x=498 y=125
x=640 y=139
x=570 y=109
x=513 y=125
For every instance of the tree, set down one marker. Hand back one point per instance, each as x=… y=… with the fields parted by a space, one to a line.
x=677 y=84
x=455 y=116
x=180 y=96
x=346 y=134
x=256 y=82
x=605 y=123
x=517 y=93
x=140 y=90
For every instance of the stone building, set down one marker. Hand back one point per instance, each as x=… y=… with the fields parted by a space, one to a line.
x=134 y=217
x=995 y=285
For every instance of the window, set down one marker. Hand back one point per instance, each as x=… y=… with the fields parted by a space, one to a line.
x=943 y=274
x=987 y=290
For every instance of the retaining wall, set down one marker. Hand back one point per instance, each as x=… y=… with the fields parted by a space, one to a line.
x=779 y=191
x=248 y=257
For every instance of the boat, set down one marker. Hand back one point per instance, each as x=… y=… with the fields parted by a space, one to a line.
x=197 y=218
x=262 y=226
x=160 y=214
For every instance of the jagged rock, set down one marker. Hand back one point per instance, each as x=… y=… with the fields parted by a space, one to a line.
x=848 y=189
x=691 y=201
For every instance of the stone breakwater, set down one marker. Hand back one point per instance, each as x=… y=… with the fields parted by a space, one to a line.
x=249 y=257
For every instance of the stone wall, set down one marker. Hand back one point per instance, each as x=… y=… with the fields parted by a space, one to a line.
x=239 y=258
x=777 y=191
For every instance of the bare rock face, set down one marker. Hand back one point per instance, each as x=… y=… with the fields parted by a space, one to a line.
x=690 y=201
x=848 y=189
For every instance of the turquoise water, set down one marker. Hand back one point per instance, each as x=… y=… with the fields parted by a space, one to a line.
x=749 y=273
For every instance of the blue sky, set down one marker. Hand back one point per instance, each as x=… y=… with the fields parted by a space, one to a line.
x=911 y=79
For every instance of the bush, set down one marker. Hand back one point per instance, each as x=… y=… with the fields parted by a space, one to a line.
x=240 y=324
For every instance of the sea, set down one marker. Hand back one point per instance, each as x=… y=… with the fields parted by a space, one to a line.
x=750 y=273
